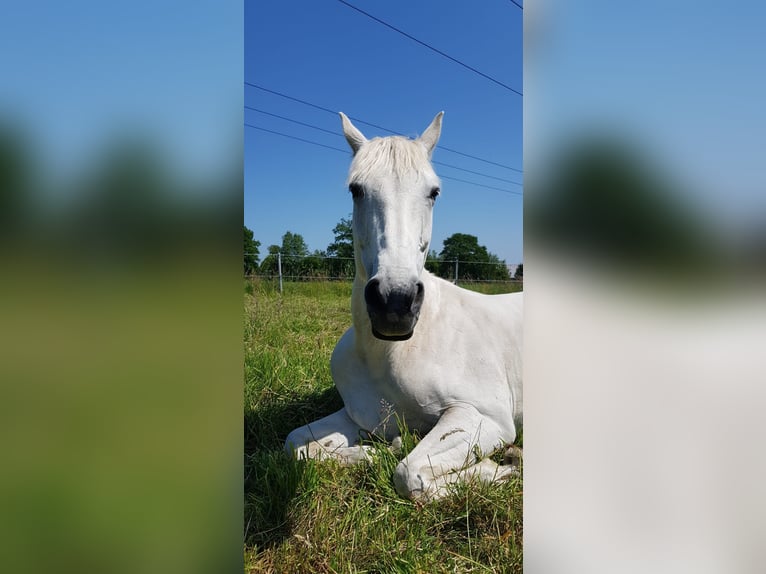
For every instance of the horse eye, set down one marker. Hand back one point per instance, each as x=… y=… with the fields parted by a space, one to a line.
x=434 y=193
x=356 y=190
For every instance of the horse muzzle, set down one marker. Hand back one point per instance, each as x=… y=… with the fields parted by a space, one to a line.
x=393 y=312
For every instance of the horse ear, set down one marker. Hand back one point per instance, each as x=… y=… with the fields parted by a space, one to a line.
x=354 y=137
x=432 y=133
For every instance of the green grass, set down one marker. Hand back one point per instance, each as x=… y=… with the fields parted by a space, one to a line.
x=321 y=517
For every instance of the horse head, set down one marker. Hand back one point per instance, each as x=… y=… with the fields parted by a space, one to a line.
x=394 y=188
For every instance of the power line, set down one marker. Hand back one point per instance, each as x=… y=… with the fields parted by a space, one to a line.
x=517 y=4
x=482 y=185
x=300 y=123
x=386 y=24
x=293 y=121
x=361 y=121
x=318 y=107
x=476 y=172
x=347 y=151
x=480 y=159
x=296 y=138
x=341 y=135
x=280 y=94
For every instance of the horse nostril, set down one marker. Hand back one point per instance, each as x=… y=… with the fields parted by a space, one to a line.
x=373 y=296
x=419 y=294
x=399 y=301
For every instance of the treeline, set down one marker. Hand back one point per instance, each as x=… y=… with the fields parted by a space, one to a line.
x=461 y=257
x=127 y=205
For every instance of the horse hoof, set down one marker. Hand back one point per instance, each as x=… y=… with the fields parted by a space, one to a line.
x=512 y=455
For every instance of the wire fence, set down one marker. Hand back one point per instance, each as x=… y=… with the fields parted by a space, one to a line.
x=278 y=267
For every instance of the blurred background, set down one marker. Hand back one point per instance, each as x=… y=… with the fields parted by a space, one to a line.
x=645 y=318
x=121 y=145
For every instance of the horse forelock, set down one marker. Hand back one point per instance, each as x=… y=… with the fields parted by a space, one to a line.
x=390 y=156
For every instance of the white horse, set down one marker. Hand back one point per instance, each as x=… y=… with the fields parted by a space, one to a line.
x=444 y=360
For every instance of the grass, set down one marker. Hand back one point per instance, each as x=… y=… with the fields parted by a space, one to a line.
x=321 y=517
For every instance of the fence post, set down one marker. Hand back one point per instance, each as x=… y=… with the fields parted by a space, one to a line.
x=279 y=269
x=455 y=272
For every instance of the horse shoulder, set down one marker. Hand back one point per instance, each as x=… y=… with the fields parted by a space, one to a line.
x=486 y=346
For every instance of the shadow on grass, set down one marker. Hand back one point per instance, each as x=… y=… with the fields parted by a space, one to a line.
x=273 y=480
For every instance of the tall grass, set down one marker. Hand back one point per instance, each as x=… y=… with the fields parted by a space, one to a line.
x=318 y=516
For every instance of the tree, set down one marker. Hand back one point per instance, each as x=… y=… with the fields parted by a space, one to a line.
x=519 y=272
x=497 y=270
x=313 y=265
x=16 y=180
x=464 y=248
x=343 y=246
x=605 y=200
x=293 y=245
x=296 y=261
x=433 y=261
x=294 y=250
x=475 y=261
x=251 y=252
x=343 y=249
x=269 y=263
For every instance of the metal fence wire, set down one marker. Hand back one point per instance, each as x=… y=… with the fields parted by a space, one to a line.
x=325 y=268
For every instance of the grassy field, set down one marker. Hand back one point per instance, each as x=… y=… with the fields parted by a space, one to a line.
x=320 y=517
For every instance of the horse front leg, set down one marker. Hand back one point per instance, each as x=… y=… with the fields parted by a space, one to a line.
x=452 y=451
x=332 y=437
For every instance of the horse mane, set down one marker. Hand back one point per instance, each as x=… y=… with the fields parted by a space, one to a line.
x=395 y=154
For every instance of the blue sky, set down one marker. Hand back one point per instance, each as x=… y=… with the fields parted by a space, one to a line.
x=325 y=53
x=684 y=80
x=689 y=84
x=78 y=74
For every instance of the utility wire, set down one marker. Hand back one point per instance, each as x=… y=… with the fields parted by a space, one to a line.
x=476 y=172
x=296 y=138
x=293 y=121
x=517 y=4
x=387 y=25
x=342 y=136
x=480 y=159
x=347 y=151
x=361 y=121
x=335 y=113
x=482 y=185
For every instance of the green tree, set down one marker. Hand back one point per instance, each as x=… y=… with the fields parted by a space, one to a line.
x=269 y=263
x=476 y=262
x=342 y=248
x=294 y=250
x=295 y=257
x=343 y=245
x=16 y=181
x=519 y=274
x=433 y=261
x=251 y=252
x=314 y=265
x=605 y=200
x=464 y=248
x=124 y=205
x=293 y=245
x=497 y=270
